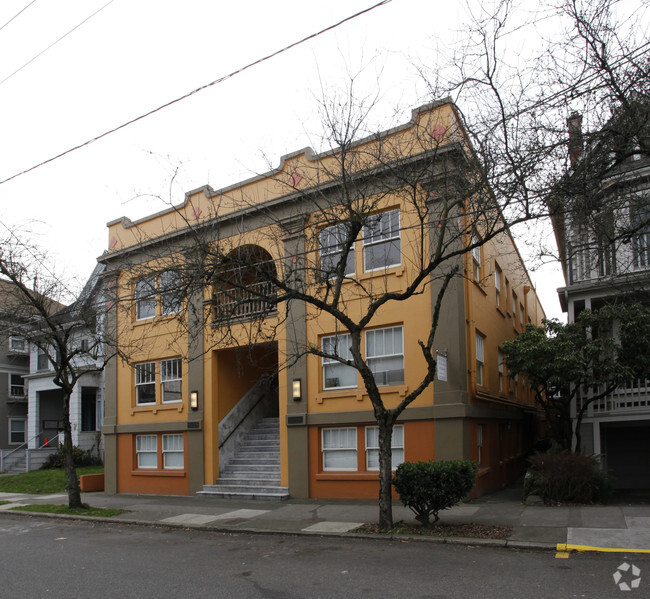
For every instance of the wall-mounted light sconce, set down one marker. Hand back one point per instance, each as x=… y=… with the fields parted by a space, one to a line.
x=194 y=400
x=297 y=390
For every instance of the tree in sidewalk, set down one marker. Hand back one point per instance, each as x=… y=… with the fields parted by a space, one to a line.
x=35 y=312
x=581 y=363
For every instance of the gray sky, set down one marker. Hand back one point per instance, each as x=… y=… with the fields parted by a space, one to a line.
x=131 y=57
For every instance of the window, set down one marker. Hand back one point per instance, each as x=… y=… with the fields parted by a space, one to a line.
x=497 y=283
x=335 y=374
x=521 y=314
x=500 y=370
x=170 y=380
x=385 y=355
x=372 y=447
x=479 y=443
x=16 y=431
x=88 y=409
x=17 y=344
x=640 y=224
x=381 y=241
x=42 y=361
x=332 y=241
x=514 y=309
x=480 y=358
x=173 y=455
x=146 y=448
x=171 y=296
x=339 y=448
x=16 y=385
x=476 y=257
x=145 y=383
x=145 y=298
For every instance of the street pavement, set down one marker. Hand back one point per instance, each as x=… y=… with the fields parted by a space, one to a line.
x=623 y=526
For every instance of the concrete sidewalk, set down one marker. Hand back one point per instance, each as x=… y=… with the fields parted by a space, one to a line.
x=619 y=527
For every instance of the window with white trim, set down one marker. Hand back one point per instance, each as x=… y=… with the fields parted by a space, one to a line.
x=381 y=241
x=145 y=298
x=385 y=355
x=480 y=359
x=171 y=296
x=332 y=240
x=16 y=431
x=335 y=374
x=16 y=385
x=339 y=447
x=146 y=449
x=476 y=257
x=145 y=383
x=173 y=453
x=372 y=447
x=171 y=380
x=17 y=344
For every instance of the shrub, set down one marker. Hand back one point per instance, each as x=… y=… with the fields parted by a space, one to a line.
x=567 y=477
x=428 y=487
x=81 y=458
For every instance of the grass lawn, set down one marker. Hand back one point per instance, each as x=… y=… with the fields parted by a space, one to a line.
x=50 y=508
x=41 y=482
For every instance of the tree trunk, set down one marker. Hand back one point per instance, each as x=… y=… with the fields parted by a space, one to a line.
x=74 y=491
x=385 y=472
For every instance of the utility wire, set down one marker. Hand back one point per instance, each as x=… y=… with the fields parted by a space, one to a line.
x=17 y=14
x=31 y=60
x=195 y=91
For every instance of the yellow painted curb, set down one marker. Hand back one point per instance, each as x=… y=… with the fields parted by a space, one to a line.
x=567 y=547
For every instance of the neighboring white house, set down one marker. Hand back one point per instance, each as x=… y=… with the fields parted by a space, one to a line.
x=604 y=243
x=45 y=398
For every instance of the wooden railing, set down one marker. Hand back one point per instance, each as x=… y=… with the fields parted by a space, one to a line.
x=243 y=304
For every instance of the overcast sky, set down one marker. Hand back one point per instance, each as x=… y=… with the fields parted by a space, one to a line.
x=131 y=57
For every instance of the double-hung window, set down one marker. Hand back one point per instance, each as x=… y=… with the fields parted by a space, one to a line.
x=497 y=284
x=372 y=447
x=332 y=242
x=170 y=380
x=335 y=374
x=16 y=431
x=173 y=454
x=146 y=448
x=381 y=241
x=385 y=355
x=145 y=383
x=170 y=292
x=339 y=448
x=480 y=359
x=145 y=298
x=16 y=385
x=476 y=258
x=17 y=344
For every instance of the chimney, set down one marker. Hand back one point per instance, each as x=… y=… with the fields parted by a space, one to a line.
x=574 y=125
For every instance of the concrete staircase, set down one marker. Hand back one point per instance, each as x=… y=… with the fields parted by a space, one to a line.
x=254 y=472
x=16 y=462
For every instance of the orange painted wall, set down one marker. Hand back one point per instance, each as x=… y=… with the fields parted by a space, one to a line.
x=418 y=445
x=129 y=480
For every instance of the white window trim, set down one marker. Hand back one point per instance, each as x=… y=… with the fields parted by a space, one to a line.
x=164 y=379
x=25 y=347
x=167 y=292
x=476 y=258
x=335 y=449
x=367 y=243
x=143 y=383
x=11 y=386
x=497 y=283
x=369 y=358
x=146 y=451
x=369 y=448
x=480 y=359
x=24 y=421
x=327 y=361
x=180 y=451
x=333 y=250
x=145 y=297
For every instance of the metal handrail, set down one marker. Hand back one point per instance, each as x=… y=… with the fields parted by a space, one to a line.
x=24 y=445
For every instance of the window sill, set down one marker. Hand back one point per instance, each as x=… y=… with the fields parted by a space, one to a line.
x=155 y=408
x=479 y=286
x=397 y=271
x=158 y=318
x=360 y=394
x=152 y=472
x=342 y=475
x=501 y=312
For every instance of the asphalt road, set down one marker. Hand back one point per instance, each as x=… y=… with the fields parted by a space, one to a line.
x=55 y=558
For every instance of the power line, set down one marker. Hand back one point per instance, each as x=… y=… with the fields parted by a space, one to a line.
x=195 y=91
x=55 y=42
x=17 y=14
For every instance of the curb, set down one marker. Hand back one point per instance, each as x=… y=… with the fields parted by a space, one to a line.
x=568 y=547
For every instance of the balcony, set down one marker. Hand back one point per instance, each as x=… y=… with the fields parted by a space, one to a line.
x=243 y=304
x=631 y=399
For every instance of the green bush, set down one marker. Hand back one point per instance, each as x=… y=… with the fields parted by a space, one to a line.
x=81 y=458
x=567 y=477
x=429 y=487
